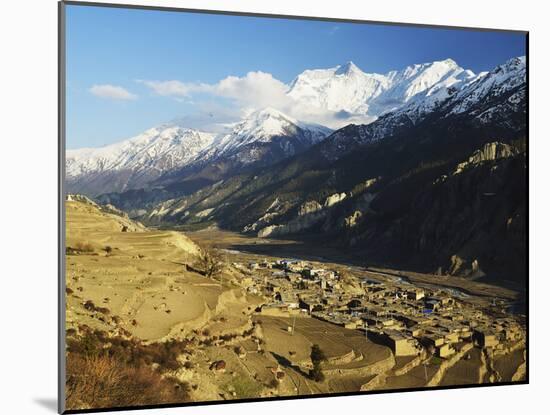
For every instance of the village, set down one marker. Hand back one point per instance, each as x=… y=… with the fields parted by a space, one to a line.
x=253 y=326
x=408 y=319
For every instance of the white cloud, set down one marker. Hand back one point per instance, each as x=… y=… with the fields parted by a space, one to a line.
x=253 y=91
x=255 y=88
x=112 y=92
x=175 y=88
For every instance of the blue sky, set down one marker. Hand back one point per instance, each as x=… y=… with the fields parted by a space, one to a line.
x=114 y=54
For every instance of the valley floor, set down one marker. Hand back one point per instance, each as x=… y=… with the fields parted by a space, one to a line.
x=250 y=248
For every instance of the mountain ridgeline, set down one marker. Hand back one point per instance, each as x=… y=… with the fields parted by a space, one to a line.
x=436 y=183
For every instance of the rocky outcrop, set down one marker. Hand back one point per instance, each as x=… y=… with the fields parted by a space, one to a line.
x=295 y=225
x=270 y=230
x=309 y=207
x=489 y=152
x=353 y=219
x=334 y=199
x=275 y=209
x=108 y=208
x=464 y=267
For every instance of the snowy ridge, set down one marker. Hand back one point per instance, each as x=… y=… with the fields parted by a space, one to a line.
x=342 y=88
x=348 y=88
x=263 y=126
x=500 y=80
x=456 y=93
x=395 y=100
x=160 y=148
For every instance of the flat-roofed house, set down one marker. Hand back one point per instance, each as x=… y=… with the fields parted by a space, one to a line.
x=485 y=338
x=415 y=295
x=398 y=342
x=445 y=350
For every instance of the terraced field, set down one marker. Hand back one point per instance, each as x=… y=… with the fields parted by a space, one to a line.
x=121 y=275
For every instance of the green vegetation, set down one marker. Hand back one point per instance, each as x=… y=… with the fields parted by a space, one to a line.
x=436 y=360
x=243 y=387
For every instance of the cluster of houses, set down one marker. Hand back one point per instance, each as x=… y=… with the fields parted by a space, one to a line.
x=406 y=318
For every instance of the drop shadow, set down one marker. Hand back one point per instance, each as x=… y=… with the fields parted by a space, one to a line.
x=48 y=403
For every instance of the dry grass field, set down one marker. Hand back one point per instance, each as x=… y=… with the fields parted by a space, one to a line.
x=137 y=277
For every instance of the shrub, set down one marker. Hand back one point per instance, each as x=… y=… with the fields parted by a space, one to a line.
x=317 y=355
x=108 y=249
x=83 y=247
x=89 y=345
x=100 y=382
x=228 y=337
x=127 y=351
x=89 y=305
x=273 y=384
x=208 y=342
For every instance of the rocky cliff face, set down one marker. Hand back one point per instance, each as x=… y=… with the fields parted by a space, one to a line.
x=489 y=152
x=470 y=222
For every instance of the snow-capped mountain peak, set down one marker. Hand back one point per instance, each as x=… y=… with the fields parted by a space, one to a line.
x=346 y=87
x=343 y=87
x=448 y=89
x=398 y=99
x=160 y=148
x=503 y=78
x=419 y=81
x=265 y=123
x=347 y=69
x=262 y=126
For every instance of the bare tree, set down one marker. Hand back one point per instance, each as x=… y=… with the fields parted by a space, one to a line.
x=210 y=262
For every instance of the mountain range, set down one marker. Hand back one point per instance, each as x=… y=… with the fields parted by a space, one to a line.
x=265 y=134
x=435 y=179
